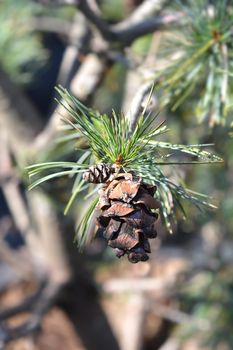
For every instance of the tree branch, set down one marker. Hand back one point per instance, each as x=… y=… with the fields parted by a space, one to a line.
x=88 y=77
x=147 y=9
x=79 y=38
x=25 y=305
x=141 y=22
x=15 y=260
x=88 y=8
x=137 y=104
x=18 y=116
x=133 y=27
x=50 y=24
x=13 y=196
x=38 y=304
x=128 y=33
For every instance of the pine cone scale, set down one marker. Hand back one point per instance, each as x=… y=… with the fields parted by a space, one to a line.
x=124 y=241
x=112 y=229
x=125 y=191
x=147 y=200
x=118 y=209
x=141 y=219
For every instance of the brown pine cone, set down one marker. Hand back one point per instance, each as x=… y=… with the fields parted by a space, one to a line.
x=127 y=218
x=99 y=173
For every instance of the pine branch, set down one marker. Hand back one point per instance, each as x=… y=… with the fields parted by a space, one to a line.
x=112 y=142
x=199 y=53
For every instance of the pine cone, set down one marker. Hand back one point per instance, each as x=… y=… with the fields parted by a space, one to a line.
x=127 y=218
x=98 y=173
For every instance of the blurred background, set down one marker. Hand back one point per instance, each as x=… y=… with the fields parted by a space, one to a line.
x=51 y=295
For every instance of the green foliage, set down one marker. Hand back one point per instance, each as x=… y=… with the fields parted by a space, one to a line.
x=111 y=141
x=200 y=60
x=208 y=296
x=19 y=45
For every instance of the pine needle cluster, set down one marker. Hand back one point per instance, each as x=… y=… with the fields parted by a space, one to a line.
x=200 y=56
x=111 y=141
